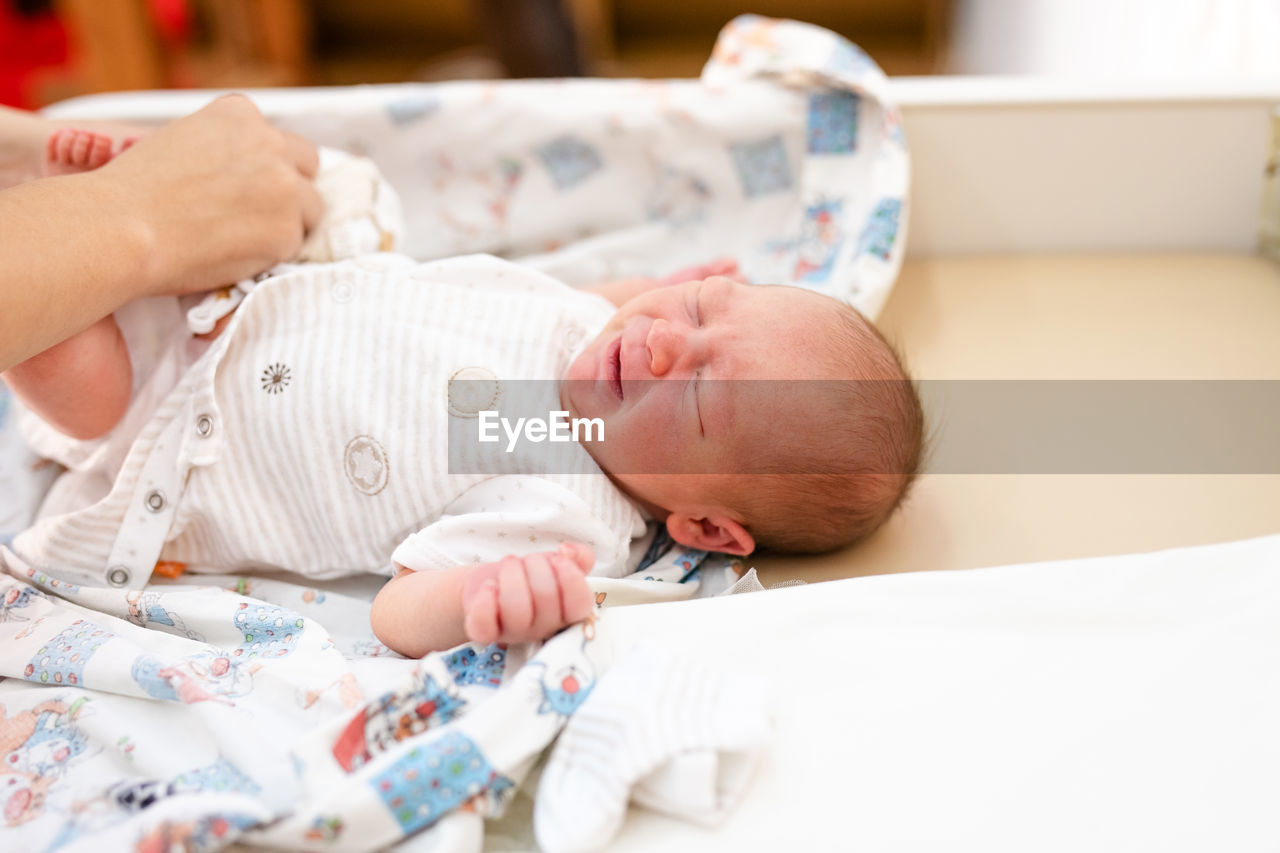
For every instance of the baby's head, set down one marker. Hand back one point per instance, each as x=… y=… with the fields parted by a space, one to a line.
x=708 y=425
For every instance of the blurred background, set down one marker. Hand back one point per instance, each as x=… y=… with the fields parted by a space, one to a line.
x=54 y=49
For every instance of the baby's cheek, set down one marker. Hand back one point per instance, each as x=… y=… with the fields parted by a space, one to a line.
x=580 y=368
x=634 y=445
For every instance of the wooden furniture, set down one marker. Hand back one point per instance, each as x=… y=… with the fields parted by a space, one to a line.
x=234 y=44
x=255 y=43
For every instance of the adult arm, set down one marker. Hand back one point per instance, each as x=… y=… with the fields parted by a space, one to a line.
x=211 y=198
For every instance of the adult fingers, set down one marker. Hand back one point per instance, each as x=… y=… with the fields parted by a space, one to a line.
x=235 y=104
x=235 y=108
x=302 y=153
x=312 y=204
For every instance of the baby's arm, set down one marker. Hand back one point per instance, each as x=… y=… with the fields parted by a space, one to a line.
x=513 y=600
x=81 y=386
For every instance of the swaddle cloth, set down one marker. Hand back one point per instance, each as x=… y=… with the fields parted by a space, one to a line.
x=194 y=716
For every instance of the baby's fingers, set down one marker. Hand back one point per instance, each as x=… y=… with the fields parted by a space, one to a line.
x=481 y=623
x=575 y=594
x=544 y=590
x=721 y=266
x=578 y=553
x=515 y=606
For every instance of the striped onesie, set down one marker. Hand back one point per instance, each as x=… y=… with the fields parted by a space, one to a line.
x=311 y=435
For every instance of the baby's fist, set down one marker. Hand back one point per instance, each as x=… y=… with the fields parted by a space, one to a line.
x=726 y=267
x=518 y=599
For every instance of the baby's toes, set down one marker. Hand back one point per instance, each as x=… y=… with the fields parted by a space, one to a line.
x=80 y=147
x=70 y=151
x=99 y=151
x=58 y=152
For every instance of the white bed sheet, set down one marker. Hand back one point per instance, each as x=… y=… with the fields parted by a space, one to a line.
x=1120 y=703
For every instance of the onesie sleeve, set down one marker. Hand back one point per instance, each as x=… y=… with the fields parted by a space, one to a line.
x=515 y=515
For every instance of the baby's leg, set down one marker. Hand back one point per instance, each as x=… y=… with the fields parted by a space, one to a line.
x=81 y=387
x=32 y=146
x=23 y=137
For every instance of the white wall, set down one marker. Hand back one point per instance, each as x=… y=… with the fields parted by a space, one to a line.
x=1019 y=165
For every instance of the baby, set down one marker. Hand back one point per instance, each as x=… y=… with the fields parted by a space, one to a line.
x=307 y=432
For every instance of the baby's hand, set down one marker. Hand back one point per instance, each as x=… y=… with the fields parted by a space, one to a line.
x=726 y=267
x=622 y=291
x=518 y=599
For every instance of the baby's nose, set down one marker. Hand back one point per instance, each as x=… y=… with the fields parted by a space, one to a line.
x=669 y=344
x=659 y=346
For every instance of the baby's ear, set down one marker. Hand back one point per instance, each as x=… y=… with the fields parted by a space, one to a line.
x=713 y=533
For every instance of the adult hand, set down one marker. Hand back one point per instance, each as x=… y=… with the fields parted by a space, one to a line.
x=217 y=196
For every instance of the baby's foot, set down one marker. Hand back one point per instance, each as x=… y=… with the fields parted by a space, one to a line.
x=70 y=151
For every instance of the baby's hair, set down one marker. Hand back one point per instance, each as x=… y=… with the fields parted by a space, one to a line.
x=835 y=484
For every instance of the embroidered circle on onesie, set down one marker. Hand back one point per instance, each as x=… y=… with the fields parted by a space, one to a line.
x=573 y=338
x=365 y=463
x=342 y=291
x=472 y=390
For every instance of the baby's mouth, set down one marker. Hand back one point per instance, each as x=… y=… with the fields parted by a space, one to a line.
x=613 y=366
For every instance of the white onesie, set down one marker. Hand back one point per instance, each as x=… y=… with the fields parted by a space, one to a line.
x=311 y=436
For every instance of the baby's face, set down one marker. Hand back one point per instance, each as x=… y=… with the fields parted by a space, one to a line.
x=657 y=376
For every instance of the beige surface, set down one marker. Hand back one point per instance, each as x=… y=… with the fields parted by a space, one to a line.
x=1171 y=316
